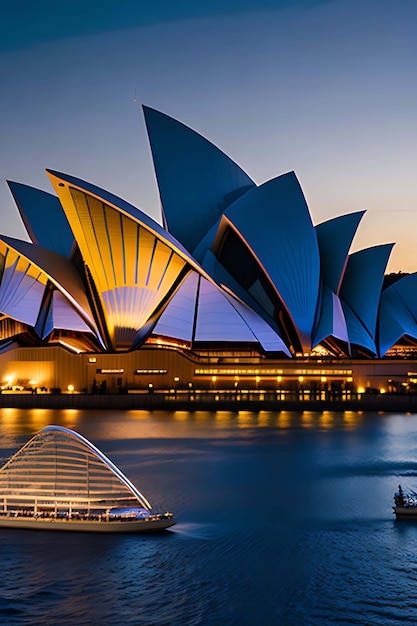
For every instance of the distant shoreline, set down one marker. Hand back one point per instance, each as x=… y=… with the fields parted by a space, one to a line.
x=160 y=402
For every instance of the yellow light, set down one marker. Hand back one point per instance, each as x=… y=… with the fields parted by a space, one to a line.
x=349 y=379
x=150 y=385
x=361 y=390
x=300 y=379
x=213 y=379
x=176 y=379
x=323 y=379
x=258 y=378
x=70 y=388
x=279 y=378
x=382 y=390
x=69 y=346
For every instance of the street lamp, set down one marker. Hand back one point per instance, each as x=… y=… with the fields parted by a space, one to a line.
x=176 y=381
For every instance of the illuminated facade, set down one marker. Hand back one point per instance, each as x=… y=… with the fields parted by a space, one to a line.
x=237 y=272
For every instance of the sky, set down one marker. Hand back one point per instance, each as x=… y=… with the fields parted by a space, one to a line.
x=327 y=88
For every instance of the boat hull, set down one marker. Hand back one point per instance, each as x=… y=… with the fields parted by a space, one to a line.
x=405 y=512
x=95 y=526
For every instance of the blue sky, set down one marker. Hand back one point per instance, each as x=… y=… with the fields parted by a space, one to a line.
x=325 y=88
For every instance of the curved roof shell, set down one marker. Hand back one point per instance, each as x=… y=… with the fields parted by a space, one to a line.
x=196 y=180
x=398 y=312
x=275 y=223
x=359 y=336
x=362 y=284
x=22 y=285
x=332 y=321
x=59 y=466
x=43 y=218
x=201 y=312
x=131 y=260
x=26 y=272
x=335 y=237
x=61 y=315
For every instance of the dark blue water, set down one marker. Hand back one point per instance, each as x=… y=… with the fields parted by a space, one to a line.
x=283 y=518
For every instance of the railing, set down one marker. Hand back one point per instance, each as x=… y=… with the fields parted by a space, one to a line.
x=268 y=395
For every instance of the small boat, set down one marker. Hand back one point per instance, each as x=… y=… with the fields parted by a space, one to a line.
x=405 y=504
x=60 y=481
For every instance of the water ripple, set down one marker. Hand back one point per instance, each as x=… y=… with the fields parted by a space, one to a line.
x=278 y=524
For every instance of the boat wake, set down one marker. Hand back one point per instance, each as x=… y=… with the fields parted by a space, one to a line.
x=195 y=531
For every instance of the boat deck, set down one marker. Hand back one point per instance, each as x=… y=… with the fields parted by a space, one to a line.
x=99 y=524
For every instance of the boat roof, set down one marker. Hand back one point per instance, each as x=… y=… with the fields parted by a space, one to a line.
x=59 y=464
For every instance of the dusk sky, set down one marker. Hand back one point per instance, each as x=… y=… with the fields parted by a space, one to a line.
x=325 y=88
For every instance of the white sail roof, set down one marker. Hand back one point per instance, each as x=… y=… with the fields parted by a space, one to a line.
x=59 y=466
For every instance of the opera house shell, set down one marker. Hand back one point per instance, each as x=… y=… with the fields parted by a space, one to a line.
x=236 y=268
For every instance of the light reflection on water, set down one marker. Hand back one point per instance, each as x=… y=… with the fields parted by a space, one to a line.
x=283 y=518
x=126 y=424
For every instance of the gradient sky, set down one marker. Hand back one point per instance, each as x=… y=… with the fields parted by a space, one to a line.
x=325 y=88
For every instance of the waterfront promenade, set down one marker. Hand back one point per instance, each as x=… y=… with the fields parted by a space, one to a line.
x=212 y=401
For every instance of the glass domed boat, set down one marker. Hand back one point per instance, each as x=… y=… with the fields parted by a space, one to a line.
x=60 y=481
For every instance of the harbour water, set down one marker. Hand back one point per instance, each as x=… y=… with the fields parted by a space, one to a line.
x=283 y=519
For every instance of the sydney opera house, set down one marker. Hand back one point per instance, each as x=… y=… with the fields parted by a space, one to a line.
x=237 y=287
